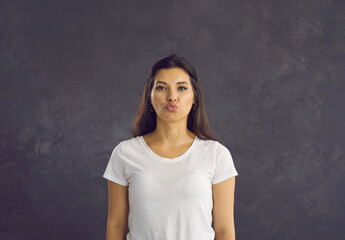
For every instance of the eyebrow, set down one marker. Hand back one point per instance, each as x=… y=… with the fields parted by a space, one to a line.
x=166 y=83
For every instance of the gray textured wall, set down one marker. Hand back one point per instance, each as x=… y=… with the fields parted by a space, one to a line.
x=273 y=74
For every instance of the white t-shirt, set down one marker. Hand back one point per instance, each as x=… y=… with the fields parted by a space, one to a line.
x=170 y=198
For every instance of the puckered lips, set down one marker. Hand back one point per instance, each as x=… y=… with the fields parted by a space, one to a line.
x=171 y=107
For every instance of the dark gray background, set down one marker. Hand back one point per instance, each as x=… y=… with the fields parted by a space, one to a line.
x=72 y=73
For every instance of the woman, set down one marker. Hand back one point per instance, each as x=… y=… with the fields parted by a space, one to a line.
x=173 y=178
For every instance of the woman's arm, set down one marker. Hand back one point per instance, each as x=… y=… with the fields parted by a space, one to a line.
x=117 y=225
x=223 y=209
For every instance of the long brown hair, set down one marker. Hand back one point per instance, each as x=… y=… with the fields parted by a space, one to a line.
x=145 y=120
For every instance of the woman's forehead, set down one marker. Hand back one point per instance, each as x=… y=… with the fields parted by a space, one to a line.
x=172 y=75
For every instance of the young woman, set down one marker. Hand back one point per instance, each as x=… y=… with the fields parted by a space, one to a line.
x=172 y=180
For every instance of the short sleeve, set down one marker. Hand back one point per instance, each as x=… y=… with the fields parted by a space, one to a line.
x=115 y=170
x=224 y=165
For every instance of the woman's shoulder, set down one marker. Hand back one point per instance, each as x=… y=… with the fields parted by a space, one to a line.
x=207 y=143
x=215 y=144
x=127 y=142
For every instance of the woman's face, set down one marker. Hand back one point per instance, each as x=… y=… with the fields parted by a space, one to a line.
x=173 y=84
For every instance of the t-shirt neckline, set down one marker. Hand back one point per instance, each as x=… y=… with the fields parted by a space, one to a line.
x=183 y=155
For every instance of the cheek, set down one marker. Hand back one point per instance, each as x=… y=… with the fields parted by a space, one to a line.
x=155 y=97
x=153 y=94
x=158 y=100
x=187 y=98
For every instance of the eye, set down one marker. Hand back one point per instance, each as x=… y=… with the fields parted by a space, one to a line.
x=160 y=87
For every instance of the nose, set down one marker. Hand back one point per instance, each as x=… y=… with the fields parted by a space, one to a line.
x=171 y=97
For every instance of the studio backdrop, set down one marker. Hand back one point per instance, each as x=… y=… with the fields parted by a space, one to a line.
x=72 y=74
